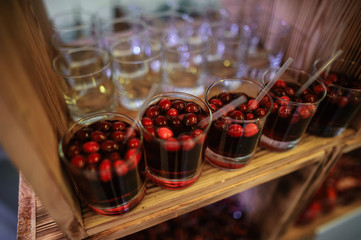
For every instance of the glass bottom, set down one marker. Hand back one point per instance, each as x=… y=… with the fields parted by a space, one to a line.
x=277 y=145
x=122 y=208
x=196 y=91
x=131 y=104
x=323 y=131
x=172 y=184
x=227 y=163
x=77 y=114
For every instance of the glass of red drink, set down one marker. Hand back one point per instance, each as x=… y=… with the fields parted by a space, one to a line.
x=342 y=102
x=291 y=112
x=233 y=138
x=103 y=156
x=174 y=139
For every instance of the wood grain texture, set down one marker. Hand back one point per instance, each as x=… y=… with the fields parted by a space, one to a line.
x=28 y=133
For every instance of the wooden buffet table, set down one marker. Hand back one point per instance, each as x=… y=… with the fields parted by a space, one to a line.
x=160 y=204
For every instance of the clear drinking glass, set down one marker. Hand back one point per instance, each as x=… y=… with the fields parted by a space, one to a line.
x=74 y=29
x=137 y=65
x=233 y=138
x=103 y=156
x=229 y=43
x=291 y=112
x=185 y=59
x=174 y=138
x=114 y=30
x=87 y=84
x=343 y=98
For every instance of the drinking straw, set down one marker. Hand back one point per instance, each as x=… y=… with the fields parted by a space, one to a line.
x=336 y=42
x=272 y=82
x=318 y=73
x=236 y=102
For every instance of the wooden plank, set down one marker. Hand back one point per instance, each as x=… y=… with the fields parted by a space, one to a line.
x=266 y=164
x=27 y=131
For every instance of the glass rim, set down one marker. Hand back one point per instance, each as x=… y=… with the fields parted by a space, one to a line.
x=66 y=14
x=158 y=96
x=154 y=55
x=250 y=82
x=61 y=153
x=319 y=81
x=171 y=13
x=345 y=60
x=61 y=55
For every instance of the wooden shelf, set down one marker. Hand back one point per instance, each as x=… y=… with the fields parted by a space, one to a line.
x=308 y=231
x=160 y=204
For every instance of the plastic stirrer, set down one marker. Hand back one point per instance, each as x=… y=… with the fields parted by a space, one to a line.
x=272 y=82
x=223 y=110
x=236 y=102
x=318 y=73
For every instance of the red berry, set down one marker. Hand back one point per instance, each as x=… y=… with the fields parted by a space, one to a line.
x=179 y=105
x=249 y=116
x=98 y=136
x=118 y=126
x=252 y=104
x=73 y=150
x=284 y=111
x=264 y=100
x=310 y=98
x=151 y=132
x=114 y=156
x=164 y=133
x=103 y=126
x=118 y=136
x=225 y=97
x=172 y=145
x=161 y=121
x=94 y=158
x=216 y=102
x=289 y=91
x=213 y=107
x=187 y=142
x=250 y=130
x=191 y=107
x=284 y=100
x=90 y=147
x=133 y=157
x=109 y=146
x=78 y=161
x=83 y=134
x=120 y=167
x=311 y=109
x=172 y=112
x=303 y=112
x=146 y=121
x=237 y=114
x=131 y=132
x=164 y=104
x=134 y=143
x=275 y=106
x=342 y=101
x=153 y=111
x=331 y=78
x=175 y=122
x=260 y=112
x=243 y=107
x=235 y=130
x=198 y=134
x=318 y=89
x=190 y=119
x=105 y=170
x=280 y=83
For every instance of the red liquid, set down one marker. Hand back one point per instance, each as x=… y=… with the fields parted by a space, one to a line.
x=174 y=151
x=111 y=179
